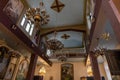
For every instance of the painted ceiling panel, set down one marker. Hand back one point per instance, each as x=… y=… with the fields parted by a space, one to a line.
x=75 y=39
x=71 y=14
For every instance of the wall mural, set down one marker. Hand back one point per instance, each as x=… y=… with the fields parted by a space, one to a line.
x=14 y=58
x=4 y=61
x=13 y=9
x=23 y=69
x=67 y=71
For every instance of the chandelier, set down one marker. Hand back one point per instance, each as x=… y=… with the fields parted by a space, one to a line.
x=62 y=58
x=100 y=51
x=37 y=16
x=54 y=44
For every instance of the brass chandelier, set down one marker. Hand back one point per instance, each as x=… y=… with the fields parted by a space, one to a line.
x=37 y=16
x=54 y=44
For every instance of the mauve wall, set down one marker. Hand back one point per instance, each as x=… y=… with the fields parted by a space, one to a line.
x=117 y=4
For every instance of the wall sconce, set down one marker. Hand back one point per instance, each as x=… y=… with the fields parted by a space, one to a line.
x=42 y=71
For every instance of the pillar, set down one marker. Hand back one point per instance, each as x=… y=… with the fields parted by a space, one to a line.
x=95 y=67
x=31 y=70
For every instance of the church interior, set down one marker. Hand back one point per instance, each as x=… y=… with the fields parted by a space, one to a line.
x=59 y=39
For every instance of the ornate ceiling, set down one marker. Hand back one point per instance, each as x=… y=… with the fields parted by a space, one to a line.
x=67 y=17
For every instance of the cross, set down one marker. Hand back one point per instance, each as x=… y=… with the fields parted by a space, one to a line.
x=57 y=6
x=65 y=36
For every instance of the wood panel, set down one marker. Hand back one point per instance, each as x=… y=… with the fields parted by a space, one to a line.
x=3 y=3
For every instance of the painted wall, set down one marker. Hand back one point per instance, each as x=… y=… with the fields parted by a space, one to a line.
x=80 y=70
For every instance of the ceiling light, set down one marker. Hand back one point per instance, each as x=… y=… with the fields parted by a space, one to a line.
x=62 y=58
x=54 y=44
x=37 y=16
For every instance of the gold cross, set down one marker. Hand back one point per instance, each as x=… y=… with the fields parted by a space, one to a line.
x=65 y=36
x=57 y=6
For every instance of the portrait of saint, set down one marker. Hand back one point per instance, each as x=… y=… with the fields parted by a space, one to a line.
x=9 y=72
x=22 y=70
x=13 y=9
x=67 y=71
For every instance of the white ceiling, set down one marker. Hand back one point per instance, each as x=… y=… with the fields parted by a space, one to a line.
x=71 y=14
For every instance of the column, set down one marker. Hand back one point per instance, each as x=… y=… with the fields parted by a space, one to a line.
x=31 y=70
x=95 y=67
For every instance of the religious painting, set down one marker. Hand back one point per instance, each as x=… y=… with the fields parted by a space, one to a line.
x=67 y=71
x=4 y=61
x=22 y=70
x=13 y=9
x=9 y=72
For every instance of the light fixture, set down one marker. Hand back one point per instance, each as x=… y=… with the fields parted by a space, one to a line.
x=62 y=58
x=54 y=44
x=42 y=71
x=100 y=51
x=37 y=16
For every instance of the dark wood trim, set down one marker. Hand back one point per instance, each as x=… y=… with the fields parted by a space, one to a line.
x=51 y=30
x=98 y=4
x=32 y=66
x=3 y=3
x=62 y=31
x=95 y=67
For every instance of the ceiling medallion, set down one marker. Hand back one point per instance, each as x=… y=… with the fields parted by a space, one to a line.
x=105 y=36
x=57 y=6
x=65 y=36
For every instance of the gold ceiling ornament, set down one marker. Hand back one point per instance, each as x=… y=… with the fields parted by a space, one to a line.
x=105 y=36
x=57 y=6
x=54 y=44
x=37 y=16
x=65 y=36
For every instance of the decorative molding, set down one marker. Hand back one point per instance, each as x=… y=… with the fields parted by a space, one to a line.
x=81 y=28
x=57 y=6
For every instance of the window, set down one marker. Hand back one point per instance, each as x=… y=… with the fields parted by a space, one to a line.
x=23 y=21
x=27 y=25
x=31 y=29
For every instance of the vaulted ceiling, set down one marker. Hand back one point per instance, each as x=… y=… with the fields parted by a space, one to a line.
x=69 y=21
